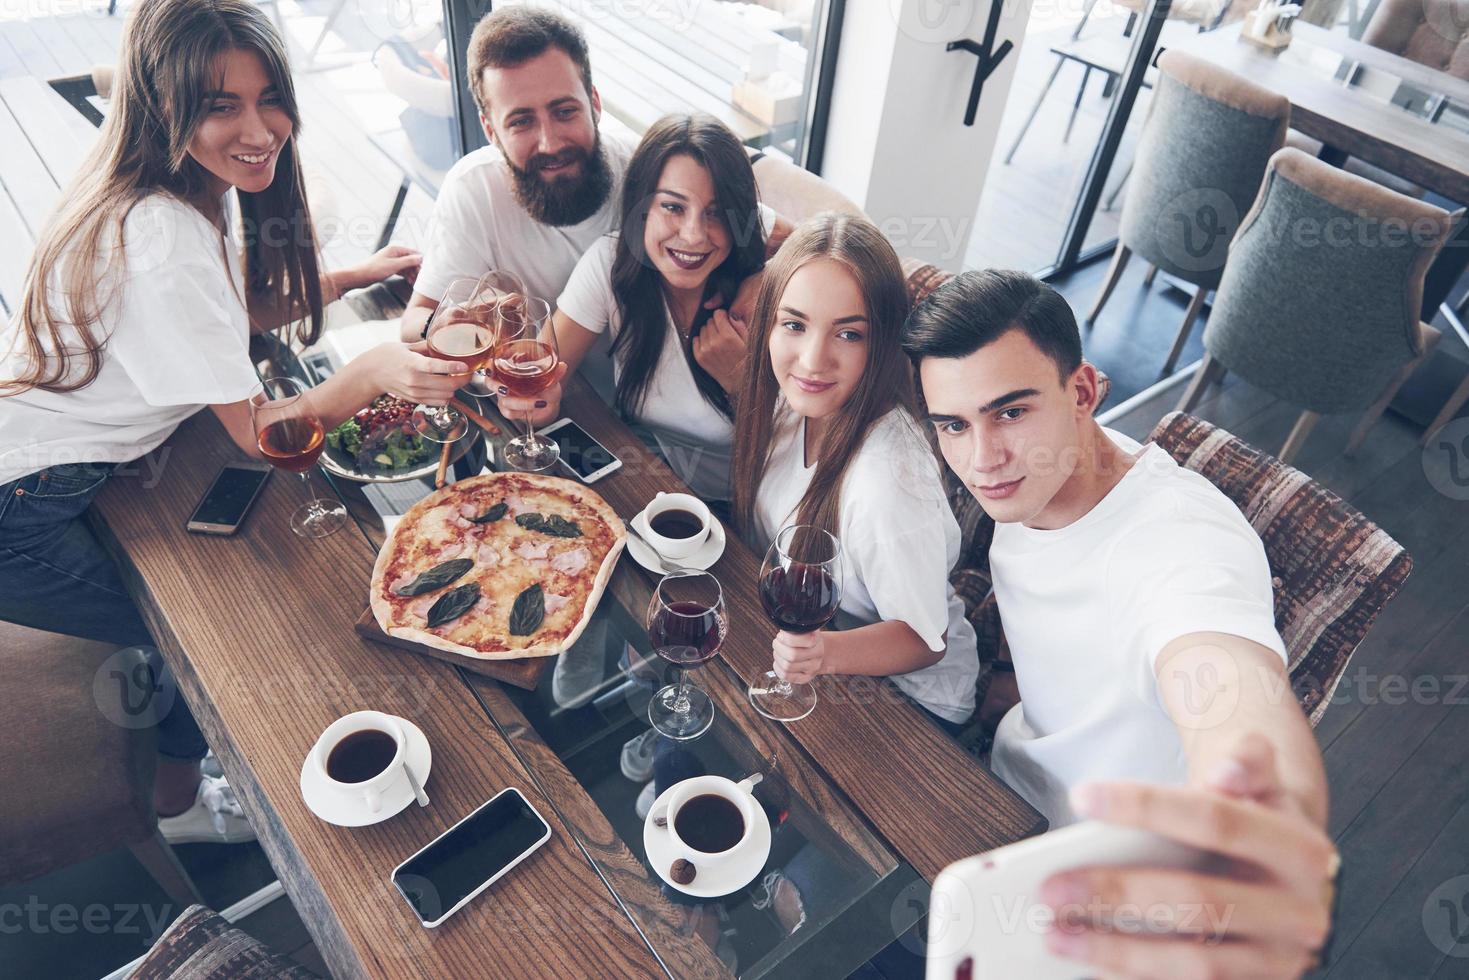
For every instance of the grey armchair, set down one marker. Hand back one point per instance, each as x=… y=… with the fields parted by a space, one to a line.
x=1319 y=302
x=1203 y=151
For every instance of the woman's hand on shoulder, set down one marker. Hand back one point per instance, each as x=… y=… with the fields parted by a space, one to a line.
x=406 y=371
x=720 y=349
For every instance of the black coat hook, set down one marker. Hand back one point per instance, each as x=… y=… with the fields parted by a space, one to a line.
x=989 y=57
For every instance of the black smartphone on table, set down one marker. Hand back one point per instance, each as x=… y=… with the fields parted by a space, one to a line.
x=224 y=505
x=470 y=856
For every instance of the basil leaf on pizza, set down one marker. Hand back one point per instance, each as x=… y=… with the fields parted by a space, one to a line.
x=529 y=611
x=437 y=577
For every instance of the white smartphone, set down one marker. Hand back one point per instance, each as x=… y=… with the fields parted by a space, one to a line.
x=228 y=499
x=470 y=856
x=581 y=455
x=986 y=918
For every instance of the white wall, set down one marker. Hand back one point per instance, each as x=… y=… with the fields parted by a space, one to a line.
x=896 y=141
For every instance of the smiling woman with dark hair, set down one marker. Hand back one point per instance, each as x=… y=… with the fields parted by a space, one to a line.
x=691 y=231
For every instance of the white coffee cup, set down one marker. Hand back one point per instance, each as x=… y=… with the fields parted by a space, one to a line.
x=370 y=791
x=674 y=547
x=737 y=793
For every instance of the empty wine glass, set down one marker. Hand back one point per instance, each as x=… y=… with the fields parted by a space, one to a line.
x=800 y=591
x=291 y=437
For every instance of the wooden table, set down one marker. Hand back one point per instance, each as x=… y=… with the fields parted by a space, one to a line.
x=258 y=628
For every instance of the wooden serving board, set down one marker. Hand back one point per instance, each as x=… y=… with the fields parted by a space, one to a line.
x=525 y=672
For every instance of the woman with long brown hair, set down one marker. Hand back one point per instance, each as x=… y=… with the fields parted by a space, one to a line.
x=692 y=230
x=137 y=313
x=826 y=436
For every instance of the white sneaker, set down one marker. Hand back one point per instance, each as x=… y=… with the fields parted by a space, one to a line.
x=215 y=818
x=644 y=804
x=210 y=766
x=637 y=756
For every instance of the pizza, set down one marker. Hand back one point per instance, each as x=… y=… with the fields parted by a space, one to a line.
x=496 y=567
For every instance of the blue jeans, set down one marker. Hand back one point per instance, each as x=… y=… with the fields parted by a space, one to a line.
x=56 y=576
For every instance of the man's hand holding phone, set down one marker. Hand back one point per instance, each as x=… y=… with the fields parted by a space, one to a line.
x=1266 y=913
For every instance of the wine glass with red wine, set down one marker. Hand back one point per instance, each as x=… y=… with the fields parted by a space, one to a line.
x=462 y=328
x=524 y=363
x=687 y=624
x=800 y=590
x=290 y=435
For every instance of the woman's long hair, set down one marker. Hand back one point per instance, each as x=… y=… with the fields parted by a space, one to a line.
x=887 y=377
x=636 y=282
x=169 y=59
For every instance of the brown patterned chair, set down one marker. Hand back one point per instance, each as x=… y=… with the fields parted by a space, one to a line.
x=202 y=946
x=1334 y=570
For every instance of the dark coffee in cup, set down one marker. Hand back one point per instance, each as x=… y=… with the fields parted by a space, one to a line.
x=709 y=823
x=361 y=756
x=675 y=523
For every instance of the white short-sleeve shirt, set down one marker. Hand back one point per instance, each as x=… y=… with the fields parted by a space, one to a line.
x=899 y=543
x=1089 y=607
x=479 y=225
x=177 y=340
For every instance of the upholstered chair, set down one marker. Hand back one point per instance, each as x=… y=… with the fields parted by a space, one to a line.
x=200 y=945
x=1203 y=151
x=1319 y=302
x=1431 y=32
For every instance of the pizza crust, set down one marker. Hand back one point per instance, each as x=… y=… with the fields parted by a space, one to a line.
x=382 y=609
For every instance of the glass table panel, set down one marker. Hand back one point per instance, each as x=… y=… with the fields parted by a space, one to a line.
x=848 y=895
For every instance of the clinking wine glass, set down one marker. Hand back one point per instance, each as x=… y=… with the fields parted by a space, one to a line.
x=525 y=363
x=687 y=624
x=494 y=286
x=800 y=590
x=290 y=435
x=461 y=329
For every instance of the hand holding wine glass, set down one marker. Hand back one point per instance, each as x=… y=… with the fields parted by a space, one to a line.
x=462 y=329
x=525 y=364
x=687 y=624
x=800 y=591
x=291 y=437
x=494 y=287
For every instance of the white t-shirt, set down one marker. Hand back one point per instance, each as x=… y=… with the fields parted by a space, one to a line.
x=177 y=340
x=1087 y=609
x=478 y=225
x=899 y=543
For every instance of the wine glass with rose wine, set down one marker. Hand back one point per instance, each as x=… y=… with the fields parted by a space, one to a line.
x=462 y=328
x=687 y=624
x=494 y=287
x=800 y=590
x=524 y=363
x=291 y=437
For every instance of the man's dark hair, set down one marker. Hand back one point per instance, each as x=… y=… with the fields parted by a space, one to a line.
x=974 y=309
x=511 y=36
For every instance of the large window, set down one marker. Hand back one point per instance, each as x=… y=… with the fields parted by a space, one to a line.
x=751 y=64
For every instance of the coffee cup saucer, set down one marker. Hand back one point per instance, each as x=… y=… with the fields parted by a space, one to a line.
x=337 y=807
x=706 y=555
x=730 y=875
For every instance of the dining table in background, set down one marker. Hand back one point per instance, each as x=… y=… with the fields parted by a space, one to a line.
x=258 y=629
x=1319 y=72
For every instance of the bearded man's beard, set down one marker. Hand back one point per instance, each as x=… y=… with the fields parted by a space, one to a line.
x=564 y=200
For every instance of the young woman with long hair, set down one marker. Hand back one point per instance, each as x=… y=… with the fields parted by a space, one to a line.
x=137 y=313
x=826 y=436
x=691 y=231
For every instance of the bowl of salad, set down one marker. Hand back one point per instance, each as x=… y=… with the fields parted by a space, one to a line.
x=379 y=445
